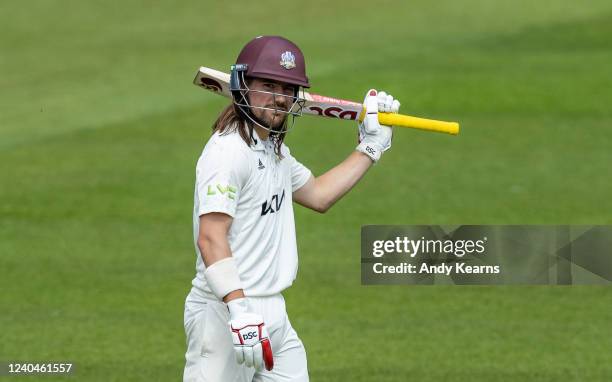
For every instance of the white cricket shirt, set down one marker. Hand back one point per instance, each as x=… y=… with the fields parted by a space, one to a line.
x=254 y=187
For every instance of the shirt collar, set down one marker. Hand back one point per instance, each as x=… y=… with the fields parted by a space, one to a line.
x=260 y=145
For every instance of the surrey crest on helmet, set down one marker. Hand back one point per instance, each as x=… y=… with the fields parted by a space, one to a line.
x=287 y=60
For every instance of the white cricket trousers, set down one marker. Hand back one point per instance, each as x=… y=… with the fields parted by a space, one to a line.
x=210 y=353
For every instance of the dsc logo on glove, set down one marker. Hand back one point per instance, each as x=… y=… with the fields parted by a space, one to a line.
x=249 y=335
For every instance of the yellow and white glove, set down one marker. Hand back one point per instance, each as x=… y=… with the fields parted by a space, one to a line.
x=374 y=138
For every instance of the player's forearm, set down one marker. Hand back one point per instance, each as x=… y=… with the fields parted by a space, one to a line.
x=213 y=248
x=212 y=237
x=221 y=271
x=335 y=183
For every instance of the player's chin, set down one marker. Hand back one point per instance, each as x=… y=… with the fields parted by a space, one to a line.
x=275 y=120
x=278 y=122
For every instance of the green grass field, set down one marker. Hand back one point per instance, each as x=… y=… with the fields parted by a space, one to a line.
x=100 y=129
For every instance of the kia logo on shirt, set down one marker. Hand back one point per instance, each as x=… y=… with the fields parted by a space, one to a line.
x=274 y=204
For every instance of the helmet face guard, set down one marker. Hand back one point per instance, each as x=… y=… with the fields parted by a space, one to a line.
x=240 y=91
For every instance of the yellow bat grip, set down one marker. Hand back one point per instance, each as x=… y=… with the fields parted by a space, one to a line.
x=392 y=119
x=400 y=120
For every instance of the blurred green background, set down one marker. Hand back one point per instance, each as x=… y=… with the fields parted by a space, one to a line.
x=100 y=129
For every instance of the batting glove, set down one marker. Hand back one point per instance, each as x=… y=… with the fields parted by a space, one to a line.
x=250 y=337
x=374 y=138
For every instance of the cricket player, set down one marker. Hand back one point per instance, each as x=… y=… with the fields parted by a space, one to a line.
x=244 y=231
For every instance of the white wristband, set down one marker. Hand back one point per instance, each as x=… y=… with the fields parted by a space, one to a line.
x=222 y=277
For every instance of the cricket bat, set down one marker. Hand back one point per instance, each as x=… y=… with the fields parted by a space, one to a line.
x=218 y=82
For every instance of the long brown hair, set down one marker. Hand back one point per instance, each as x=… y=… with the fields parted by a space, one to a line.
x=232 y=119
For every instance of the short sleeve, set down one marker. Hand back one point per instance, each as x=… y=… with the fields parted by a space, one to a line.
x=221 y=175
x=299 y=173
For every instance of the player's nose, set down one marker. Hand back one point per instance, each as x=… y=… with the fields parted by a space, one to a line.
x=280 y=101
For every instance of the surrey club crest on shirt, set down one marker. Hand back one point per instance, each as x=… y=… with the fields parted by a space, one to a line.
x=287 y=60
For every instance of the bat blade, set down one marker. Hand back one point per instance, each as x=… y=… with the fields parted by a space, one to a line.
x=315 y=104
x=213 y=80
x=218 y=82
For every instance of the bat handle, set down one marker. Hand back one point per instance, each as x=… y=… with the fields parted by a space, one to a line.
x=400 y=120
x=392 y=119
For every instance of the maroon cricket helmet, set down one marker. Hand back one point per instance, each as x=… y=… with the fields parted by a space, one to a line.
x=274 y=58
